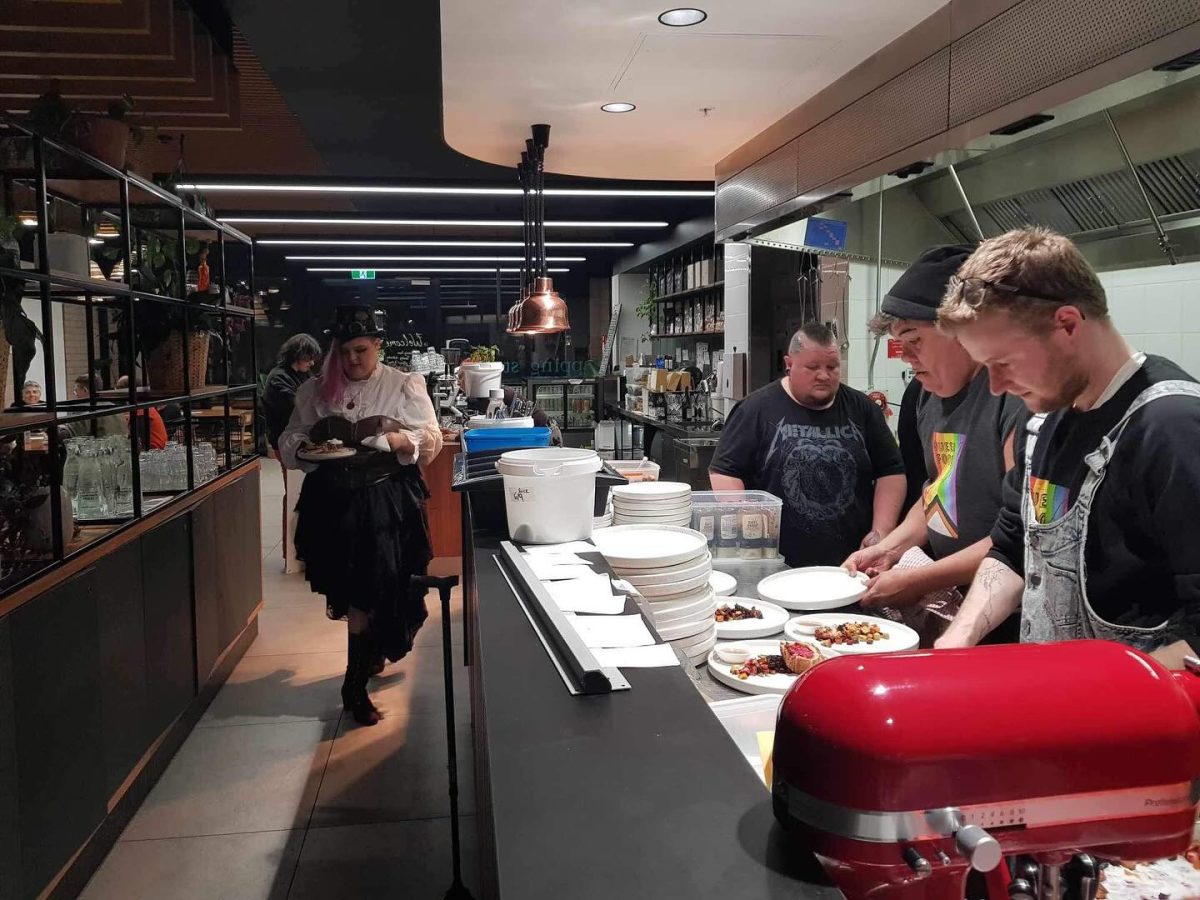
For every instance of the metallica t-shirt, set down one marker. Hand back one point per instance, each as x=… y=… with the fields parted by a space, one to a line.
x=822 y=463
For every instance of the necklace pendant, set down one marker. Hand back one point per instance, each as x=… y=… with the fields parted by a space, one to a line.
x=350 y=405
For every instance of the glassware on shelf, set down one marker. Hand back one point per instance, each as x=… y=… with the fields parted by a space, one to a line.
x=70 y=475
x=90 y=484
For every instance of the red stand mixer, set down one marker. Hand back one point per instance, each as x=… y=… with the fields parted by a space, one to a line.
x=905 y=771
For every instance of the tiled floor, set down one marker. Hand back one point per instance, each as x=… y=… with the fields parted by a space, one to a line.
x=277 y=794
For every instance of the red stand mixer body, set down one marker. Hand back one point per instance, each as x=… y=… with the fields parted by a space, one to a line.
x=906 y=770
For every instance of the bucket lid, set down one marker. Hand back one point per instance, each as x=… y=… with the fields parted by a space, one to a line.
x=549 y=461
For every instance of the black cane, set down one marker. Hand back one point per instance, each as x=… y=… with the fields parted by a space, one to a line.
x=458 y=891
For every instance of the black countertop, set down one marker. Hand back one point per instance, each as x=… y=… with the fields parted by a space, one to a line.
x=675 y=429
x=639 y=793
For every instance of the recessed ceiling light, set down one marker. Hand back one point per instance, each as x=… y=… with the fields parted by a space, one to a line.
x=683 y=16
x=618 y=107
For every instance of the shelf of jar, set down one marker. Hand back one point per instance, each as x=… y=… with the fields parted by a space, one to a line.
x=690 y=292
x=684 y=334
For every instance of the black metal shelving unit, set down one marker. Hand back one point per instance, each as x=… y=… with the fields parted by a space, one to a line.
x=57 y=189
x=689 y=293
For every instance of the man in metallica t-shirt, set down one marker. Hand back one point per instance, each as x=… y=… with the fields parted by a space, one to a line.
x=1097 y=536
x=820 y=446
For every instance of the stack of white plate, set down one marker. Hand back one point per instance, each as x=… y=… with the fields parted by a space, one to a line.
x=670 y=567
x=652 y=503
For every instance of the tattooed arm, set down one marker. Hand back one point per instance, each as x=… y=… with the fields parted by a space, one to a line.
x=995 y=594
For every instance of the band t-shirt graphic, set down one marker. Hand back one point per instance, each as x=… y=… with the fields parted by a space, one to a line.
x=821 y=463
x=941 y=494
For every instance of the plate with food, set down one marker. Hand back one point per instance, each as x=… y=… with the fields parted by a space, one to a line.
x=326 y=451
x=741 y=617
x=813 y=588
x=844 y=634
x=763 y=667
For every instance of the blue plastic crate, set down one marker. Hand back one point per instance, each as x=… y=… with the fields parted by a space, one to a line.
x=475 y=439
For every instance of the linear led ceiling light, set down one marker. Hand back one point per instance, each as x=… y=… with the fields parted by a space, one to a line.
x=423 y=269
x=320 y=242
x=417 y=190
x=432 y=223
x=450 y=259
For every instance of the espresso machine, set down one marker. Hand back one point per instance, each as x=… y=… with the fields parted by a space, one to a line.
x=903 y=772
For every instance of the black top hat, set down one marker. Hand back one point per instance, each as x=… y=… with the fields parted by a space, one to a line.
x=350 y=322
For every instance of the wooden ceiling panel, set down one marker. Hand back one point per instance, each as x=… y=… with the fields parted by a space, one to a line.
x=114 y=16
x=56 y=34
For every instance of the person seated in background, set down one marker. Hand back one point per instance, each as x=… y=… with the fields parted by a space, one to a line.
x=31 y=393
x=820 y=446
x=151 y=430
x=297 y=357
x=966 y=437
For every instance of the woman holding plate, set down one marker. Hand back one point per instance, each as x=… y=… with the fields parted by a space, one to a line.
x=362 y=531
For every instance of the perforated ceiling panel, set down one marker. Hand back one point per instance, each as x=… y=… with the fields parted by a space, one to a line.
x=1038 y=43
x=906 y=110
x=757 y=188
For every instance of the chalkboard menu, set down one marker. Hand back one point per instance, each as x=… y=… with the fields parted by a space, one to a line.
x=398 y=352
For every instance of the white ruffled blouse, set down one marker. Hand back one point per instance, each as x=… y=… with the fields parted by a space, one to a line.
x=387 y=392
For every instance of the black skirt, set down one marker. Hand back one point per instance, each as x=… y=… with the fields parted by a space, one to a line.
x=361 y=537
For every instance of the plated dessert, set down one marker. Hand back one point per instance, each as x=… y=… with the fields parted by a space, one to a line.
x=325 y=450
x=794 y=658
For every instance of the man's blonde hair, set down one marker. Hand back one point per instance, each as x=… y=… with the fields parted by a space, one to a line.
x=1036 y=259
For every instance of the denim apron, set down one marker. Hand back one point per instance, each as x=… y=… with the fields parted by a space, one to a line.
x=1055 y=604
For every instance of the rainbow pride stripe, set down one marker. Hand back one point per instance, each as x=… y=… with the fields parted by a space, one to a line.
x=947 y=451
x=1050 y=501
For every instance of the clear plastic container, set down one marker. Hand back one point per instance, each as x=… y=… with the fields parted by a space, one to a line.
x=744 y=718
x=636 y=469
x=739 y=525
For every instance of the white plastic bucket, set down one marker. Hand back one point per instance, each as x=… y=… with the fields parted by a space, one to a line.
x=549 y=494
x=479 y=378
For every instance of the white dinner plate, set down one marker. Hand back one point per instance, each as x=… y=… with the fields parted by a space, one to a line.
x=686 y=633
x=652 y=490
x=690 y=644
x=755 y=684
x=723 y=583
x=772 y=622
x=484 y=422
x=619 y=519
x=698 y=655
x=813 y=588
x=702 y=610
x=629 y=503
x=674 y=588
x=681 y=515
x=676 y=573
x=649 y=546
x=899 y=637
x=344 y=453
x=684 y=606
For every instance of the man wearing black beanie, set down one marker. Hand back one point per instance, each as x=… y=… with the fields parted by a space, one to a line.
x=966 y=435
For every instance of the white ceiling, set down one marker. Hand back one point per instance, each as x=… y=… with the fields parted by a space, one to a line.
x=509 y=63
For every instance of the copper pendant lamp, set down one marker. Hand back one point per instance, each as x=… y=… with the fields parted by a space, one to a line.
x=540 y=310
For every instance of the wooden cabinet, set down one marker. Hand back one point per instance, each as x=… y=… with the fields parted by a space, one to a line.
x=444 y=507
x=59 y=728
x=167 y=589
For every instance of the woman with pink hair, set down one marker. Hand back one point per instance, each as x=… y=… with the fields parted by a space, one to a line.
x=361 y=530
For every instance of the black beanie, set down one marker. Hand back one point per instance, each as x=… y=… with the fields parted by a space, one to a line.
x=918 y=293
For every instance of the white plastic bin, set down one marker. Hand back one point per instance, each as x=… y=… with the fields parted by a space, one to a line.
x=549 y=493
x=480 y=378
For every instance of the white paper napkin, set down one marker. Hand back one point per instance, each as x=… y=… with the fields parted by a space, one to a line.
x=377 y=442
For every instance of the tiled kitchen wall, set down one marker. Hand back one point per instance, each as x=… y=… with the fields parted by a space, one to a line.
x=862 y=306
x=1157 y=308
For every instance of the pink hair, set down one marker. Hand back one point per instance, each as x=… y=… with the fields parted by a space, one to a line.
x=333 y=378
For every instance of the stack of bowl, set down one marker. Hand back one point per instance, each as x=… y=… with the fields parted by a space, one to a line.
x=670 y=567
x=652 y=503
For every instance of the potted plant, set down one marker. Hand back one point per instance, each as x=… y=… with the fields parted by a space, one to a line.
x=107 y=137
x=18 y=335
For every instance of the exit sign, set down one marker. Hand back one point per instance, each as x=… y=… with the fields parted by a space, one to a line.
x=362 y=274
